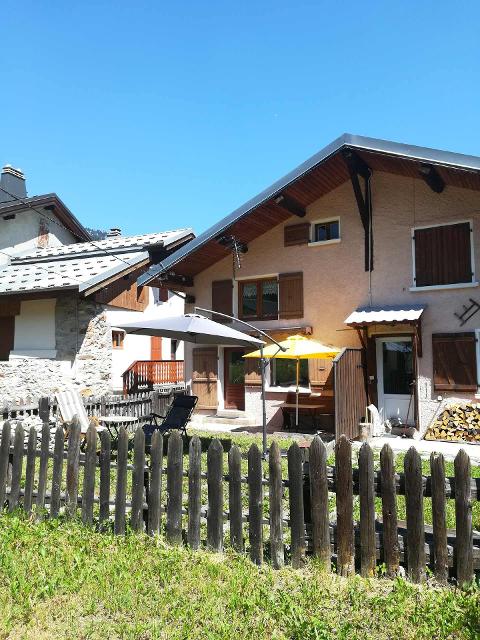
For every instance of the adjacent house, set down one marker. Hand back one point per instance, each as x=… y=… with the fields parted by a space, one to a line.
x=62 y=295
x=370 y=245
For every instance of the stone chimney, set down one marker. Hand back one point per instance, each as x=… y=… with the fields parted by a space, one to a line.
x=114 y=232
x=12 y=184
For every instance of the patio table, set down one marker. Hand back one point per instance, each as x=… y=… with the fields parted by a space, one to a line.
x=290 y=408
x=113 y=423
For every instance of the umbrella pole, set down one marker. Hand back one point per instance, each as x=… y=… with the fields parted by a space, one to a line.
x=296 y=406
x=264 y=408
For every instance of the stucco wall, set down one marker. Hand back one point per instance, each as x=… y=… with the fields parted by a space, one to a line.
x=335 y=282
x=20 y=235
x=83 y=355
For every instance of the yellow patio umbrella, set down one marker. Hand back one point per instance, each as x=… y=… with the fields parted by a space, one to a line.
x=297 y=348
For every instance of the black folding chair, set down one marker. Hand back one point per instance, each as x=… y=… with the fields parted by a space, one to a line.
x=177 y=417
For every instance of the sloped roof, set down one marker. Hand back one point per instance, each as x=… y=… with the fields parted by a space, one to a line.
x=377 y=315
x=84 y=265
x=313 y=178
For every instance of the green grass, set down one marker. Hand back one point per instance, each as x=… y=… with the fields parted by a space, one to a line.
x=63 y=580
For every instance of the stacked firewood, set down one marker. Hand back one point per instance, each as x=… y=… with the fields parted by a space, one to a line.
x=458 y=423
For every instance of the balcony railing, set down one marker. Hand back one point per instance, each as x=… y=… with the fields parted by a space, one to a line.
x=141 y=375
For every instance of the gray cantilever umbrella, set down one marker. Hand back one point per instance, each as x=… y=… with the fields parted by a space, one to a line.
x=191 y=328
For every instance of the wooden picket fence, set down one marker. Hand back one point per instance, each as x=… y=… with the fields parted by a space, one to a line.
x=250 y=512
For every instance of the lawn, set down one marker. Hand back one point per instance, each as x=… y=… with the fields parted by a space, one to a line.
x=62 y=580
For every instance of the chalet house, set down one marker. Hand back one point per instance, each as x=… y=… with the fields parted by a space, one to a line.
x=371 y=246
x=62 y=295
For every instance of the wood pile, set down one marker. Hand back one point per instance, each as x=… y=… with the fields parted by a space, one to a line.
x=458 y=423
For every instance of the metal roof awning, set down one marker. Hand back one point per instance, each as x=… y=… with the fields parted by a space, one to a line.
x=365 y=316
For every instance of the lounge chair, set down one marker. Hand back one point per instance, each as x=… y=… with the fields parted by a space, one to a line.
x=71 y=404
x=177 y=417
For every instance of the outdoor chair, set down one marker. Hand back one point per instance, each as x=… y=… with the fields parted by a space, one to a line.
x=177 y=417
x=71 y=404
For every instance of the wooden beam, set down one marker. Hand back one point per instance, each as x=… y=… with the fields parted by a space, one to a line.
x=432 y=177
x=358 y=168
x=291 y=205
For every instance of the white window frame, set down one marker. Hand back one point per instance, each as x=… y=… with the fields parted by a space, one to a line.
x=456 y=285
x=321 y=243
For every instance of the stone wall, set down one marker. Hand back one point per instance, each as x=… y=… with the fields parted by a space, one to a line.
x=83 y=360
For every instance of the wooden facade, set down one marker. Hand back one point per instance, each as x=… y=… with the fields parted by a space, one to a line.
x=350 y=392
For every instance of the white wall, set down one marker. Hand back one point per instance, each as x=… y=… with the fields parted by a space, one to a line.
x=35 y=330
x=138 y=347
x=20 y=235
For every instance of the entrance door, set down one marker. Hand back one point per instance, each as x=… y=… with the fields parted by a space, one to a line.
x=234 y=377
x=395 y=374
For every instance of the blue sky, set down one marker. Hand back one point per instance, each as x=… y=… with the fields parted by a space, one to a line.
x=155 y=115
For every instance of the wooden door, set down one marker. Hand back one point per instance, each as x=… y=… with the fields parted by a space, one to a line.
x=155 y=348
x=205 y=376
x=7 y=332
x=234 y=379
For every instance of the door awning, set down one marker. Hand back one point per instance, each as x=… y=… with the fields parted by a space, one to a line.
x=365 y=316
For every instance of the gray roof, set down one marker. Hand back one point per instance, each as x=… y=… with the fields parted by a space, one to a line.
x=80 y=266
x=400 y=150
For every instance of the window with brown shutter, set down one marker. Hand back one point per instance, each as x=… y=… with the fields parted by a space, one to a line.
x=258 y=299
x=222 y=299
x=253 y=376
x=454 y=362
x=443 y=255
x=290 y=295
x=7 y=333
x=296 y=234
x=320 y=371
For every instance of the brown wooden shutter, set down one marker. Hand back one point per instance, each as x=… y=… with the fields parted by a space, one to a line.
x=7 y=333
x=442 y=255
x=454 y=362
x=291 y=295
x=253 y=376
x=205 y=376
x=155 y=348
x=222 y=299
x=320 y=372
x=296 y=234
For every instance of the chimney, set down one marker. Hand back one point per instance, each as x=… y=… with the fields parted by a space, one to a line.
x=114 y=232
x=12 y=184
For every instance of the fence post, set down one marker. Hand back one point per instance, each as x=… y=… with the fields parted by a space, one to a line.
x=215 y=496
x=17 y=466
x=104 y=497
x=297 y=522
x=235 y=498
x=57 y=472
x=138 y=480
x=174 y=488
x=194 y=492
x=319 y=502
x=415 y=522
x=121 y=486
x=391 y=552
x=368 y=554
x=255 y=504
x=463 y=519
x=43 y=468
x=4 y=461
x=440 y=550
x=276 y=508
x=73 y=458
x=344 y=491
x=44 y=409
x=30 y=470
x=155 y=493
x=88 y=492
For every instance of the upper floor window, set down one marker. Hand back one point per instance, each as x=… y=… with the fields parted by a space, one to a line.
x=258 y=299
x=117 y=339
x=326 y=231
x=160 y=294
x=443 y=255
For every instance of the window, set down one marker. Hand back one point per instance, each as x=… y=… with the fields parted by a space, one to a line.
x=283 y=373
x=117 y=339
x=454 y=361
x=258 y=299
x=442 y=255
x=160 y=294
x=173 y=349
x=325 y=231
